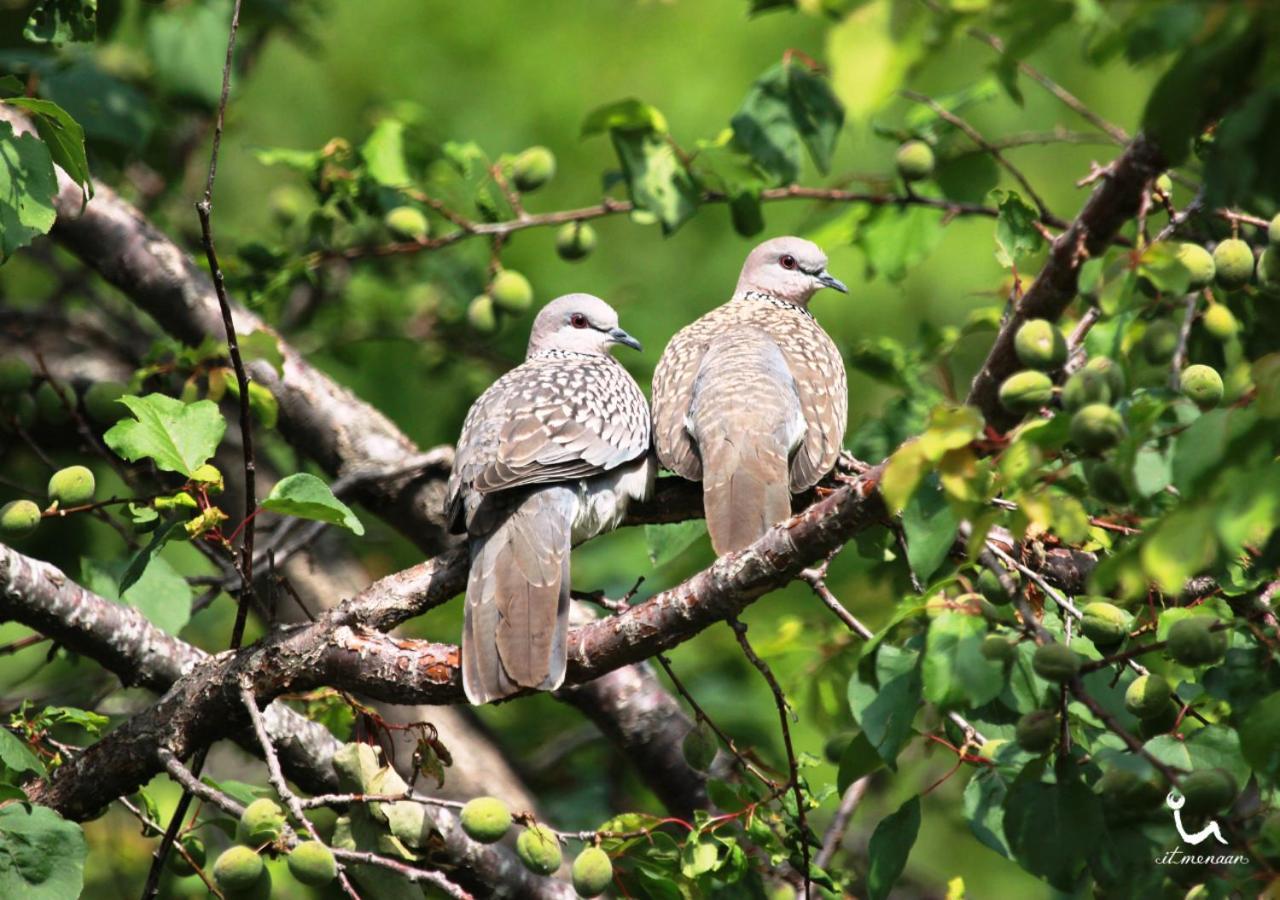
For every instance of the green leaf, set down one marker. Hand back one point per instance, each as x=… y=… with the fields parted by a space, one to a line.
x=1016 y=234
x=108 y=108
x=1181 y=545
x=16 y=755
x=657 y=180
x=262 y=345
x=62 y=22
x=930 y=528
x=63 y=136
x=788 y=106
x=41 y=854
x=1260 y=735
x=666 y=542
x=897 y=238
x=188 y=48
x=171 y=530
x=872 y=52
x=858 y=759
x=725 y=170
x=624 y=115
x=955 y=671
x=1162 y=265
x=27 y=188
x=383 y=154
x=307 y=497
x=886 y=710
x=984 y=808
x=160 y=593
x=1052 y=829
x=178 y=437
x=890 y=846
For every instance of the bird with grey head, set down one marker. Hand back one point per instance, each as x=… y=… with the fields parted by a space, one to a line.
x=752 y=398
x=549 y=456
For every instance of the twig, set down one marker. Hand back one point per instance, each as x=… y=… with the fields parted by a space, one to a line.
x=1184 y=334
x=203 y=210
x=976 y=136
x=816 y=579
x=840 y=824
x=784 y=718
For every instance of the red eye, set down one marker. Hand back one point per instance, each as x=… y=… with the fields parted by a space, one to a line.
x=578 y=320
x=787 y=261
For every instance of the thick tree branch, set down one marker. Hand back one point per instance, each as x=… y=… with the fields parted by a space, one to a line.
x=1112 y=203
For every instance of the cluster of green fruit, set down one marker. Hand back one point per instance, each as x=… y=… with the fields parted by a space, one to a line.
x=51 y=403
x=239 y=871
x=69 y=487
x=487 y=819
x=509 y=292
x=1231 y=265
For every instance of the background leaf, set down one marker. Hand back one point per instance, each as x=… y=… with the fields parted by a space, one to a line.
x=307 y=497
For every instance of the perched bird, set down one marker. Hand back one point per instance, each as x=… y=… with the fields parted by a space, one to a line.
x=752 y=399
x=549 y=456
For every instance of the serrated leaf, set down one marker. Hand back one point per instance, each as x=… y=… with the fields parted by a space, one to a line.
x=1016 y=234
x=307 y=497
x=786 y=108
x=62 y=135
x=27 y=188
x=890 y=846
x=41 y=854
x=16 y=755
x=176 y=436
x=62 y=22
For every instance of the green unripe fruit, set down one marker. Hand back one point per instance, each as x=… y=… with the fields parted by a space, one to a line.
x=511 y=291
x=592 y=872
x=1056 y=662
x=1208 y=791
x=914 y=160
x=1037 y=731
x=101 y=402
x=486 y=819
x=1233 y=263
x=481 y=314
x=1160 y=342
x=1273 y=231
x=699 y=747
x=1202 y=385
x=1096 y=427
x=1106 y=483
x=990 y=587
x=54 y=404
x=195 y=849
x=539 y=849
x=1026 y=391
x=1269 y=269
x=1199 y=265
x=19 y=409
x=15 y=375
x=1110 y=369
x=1161 y=723
x=1105 y=623
x=407 y=223
x=1164 y=186
x=1126 y=795
x=19 y=517
x=1148 y=696
x=261 y=823
x=1220 y=322
x=575 y=241
x=311 y=862
x=1040 y=345
x=1084 y=387
x=72 y=486
x=237 y=870
x=533 y=168
x=996 y=648
x=1192 y=643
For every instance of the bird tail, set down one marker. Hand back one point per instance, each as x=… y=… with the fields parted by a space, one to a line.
x=515 y=630
x=746 y=421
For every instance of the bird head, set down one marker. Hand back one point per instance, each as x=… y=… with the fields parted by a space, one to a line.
x=579 y=323
x=789 y=268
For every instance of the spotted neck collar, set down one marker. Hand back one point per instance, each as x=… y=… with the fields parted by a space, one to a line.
x=762 y=297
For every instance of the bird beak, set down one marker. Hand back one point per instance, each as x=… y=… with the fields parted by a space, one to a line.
x=619 y=336
x=826 y=279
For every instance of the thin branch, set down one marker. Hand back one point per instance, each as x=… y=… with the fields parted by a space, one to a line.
x=1184 y=334
x=834 y=835
x=784 y=719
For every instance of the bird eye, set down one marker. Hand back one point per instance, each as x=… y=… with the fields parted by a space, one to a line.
x=787 y=261
x=578 y=320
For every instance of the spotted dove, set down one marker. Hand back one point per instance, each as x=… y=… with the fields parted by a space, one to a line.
x=549 y=456
x=751 y=399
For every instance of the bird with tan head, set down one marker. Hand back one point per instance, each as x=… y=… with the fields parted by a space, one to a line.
x=752 y=398
x=550 y=455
